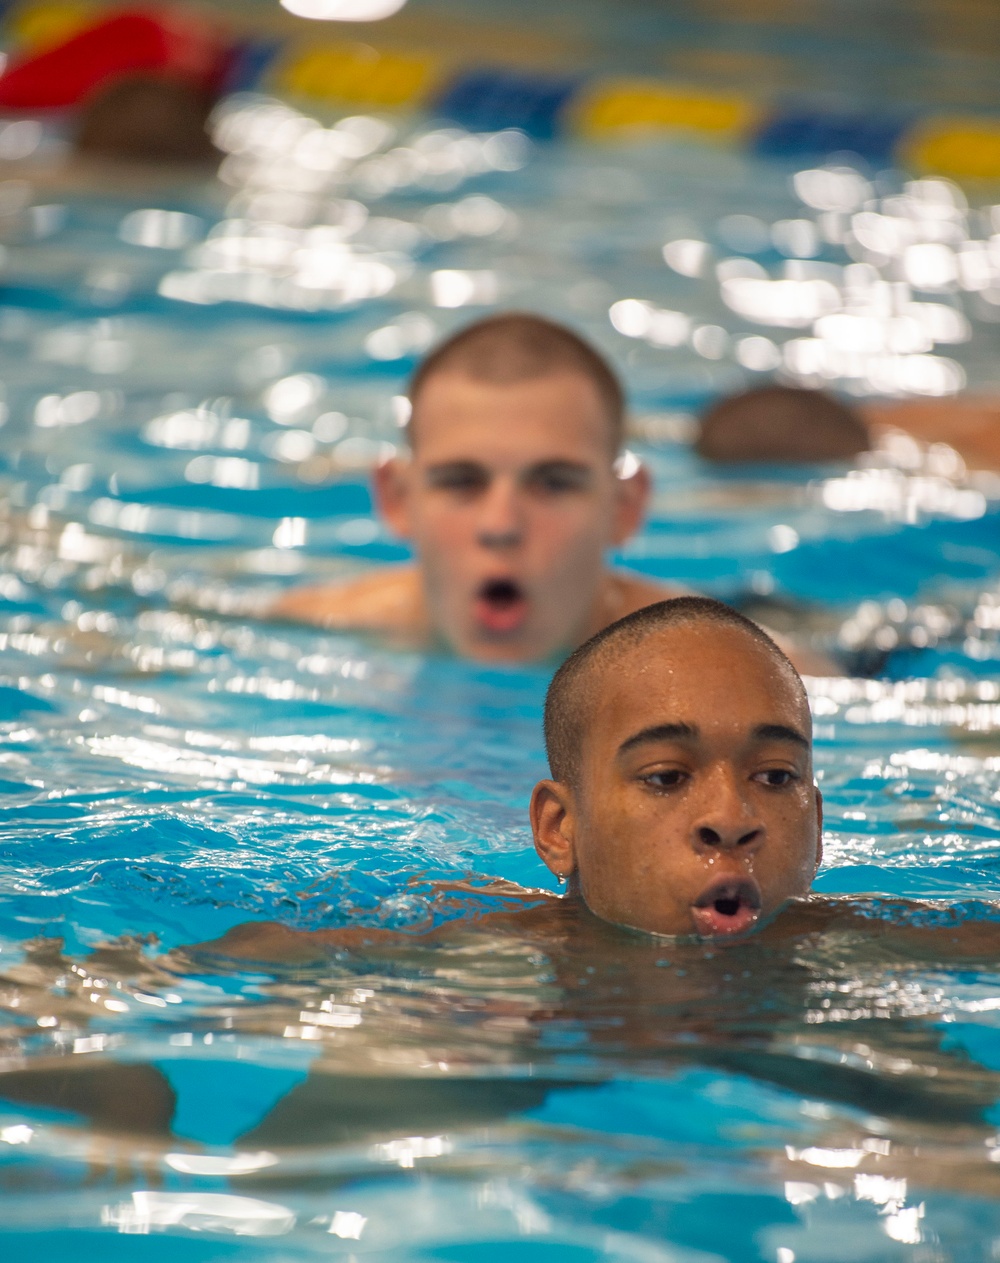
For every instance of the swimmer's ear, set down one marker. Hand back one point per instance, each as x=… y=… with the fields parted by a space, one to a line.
x=391 y=485
x=552 y=827
x=634 y=488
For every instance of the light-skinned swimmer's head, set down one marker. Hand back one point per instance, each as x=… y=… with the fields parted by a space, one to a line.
x=516 y=346
x=511 y=496
x=682 y=798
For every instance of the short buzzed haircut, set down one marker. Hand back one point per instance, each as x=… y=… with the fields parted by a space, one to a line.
x=781 y=425
x=517 y=346
x=571 y=695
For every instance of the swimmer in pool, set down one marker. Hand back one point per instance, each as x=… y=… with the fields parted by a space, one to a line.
x=513 y=492
x=681 y=802
x=777 y=424
x=511 y=495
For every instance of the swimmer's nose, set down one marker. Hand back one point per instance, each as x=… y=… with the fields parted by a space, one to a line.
x=727 y=821
x=500 y=524
x=710 y=838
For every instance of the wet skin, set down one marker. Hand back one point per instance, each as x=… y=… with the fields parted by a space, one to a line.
x=511 y=485
x=695 y=810
x=511 y=500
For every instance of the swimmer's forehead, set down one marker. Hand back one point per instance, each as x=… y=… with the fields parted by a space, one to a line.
x=563 y=408
x=701 y=677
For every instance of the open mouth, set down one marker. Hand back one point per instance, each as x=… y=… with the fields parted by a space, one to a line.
x=727 y=906
x=501 y=606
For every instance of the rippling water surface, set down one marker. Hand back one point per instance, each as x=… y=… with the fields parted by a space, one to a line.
x=188 y=427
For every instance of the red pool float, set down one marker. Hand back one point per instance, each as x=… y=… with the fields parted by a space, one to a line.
x=129 y=42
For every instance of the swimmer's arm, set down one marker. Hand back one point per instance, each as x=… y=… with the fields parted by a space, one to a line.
x=970 y=424
x=115 y=1098
x=968 y=940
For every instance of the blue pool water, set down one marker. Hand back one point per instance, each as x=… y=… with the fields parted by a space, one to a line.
x=189 y=418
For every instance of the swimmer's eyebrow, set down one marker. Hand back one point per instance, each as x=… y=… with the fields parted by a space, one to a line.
x=567 y=473
x=781 y=732
x=688 y=732
x=444 y=471
x=660 y=732
x=562 y=462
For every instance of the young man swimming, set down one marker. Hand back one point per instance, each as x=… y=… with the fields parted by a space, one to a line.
x=511 y=496
x=681 y=800
x=681 y=807
x=681 y=803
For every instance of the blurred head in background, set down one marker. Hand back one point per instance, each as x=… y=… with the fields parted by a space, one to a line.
x=512 y=493
x=145 y=118
x=781 y=425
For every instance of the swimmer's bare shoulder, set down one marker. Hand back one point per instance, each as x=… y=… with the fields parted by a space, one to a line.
x=529 y=914
x=909 y=925
x=390 y=601
x=623 y=593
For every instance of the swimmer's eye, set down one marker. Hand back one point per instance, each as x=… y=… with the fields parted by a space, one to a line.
x=776 y=777
x=669 y=778
x=554 y=479
x=463 y=478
